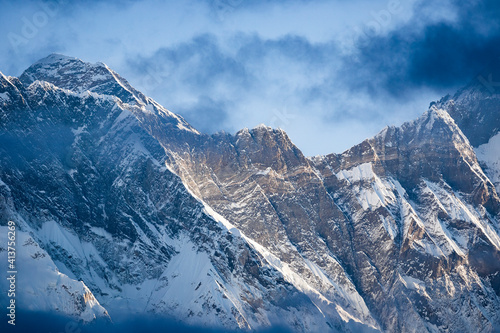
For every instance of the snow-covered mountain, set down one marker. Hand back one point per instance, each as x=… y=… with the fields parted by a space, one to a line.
x=135 y=211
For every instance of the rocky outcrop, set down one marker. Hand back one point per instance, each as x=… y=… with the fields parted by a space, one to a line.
x=81 y=173
x=399 y=233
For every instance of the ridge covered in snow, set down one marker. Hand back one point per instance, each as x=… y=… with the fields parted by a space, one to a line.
x=124 y=209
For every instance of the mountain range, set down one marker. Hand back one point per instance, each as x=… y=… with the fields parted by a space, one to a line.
x=124 y=210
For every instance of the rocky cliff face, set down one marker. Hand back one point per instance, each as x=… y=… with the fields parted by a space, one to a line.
x=399 y=233
x=404 y=217
x=475 y=110
x=81 y=174
x=421 y=204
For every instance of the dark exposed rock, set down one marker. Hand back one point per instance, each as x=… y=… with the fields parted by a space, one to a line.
x=399 y=233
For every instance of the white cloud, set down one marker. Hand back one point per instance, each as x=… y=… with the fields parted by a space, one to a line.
x=256 y=74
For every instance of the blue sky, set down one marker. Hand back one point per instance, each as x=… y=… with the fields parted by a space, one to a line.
x=331 y=73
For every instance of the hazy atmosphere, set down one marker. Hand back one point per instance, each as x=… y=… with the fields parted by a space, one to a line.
x=118 y=215
x=331 y=73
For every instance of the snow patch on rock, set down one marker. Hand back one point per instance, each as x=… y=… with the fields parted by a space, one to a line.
x=489 y=155
x=42 y=287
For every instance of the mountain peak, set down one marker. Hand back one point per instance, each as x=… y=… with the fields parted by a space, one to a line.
x=56 y=58
x=262 y=127
x=76 y=75
x=474 y=108
x=242 y=231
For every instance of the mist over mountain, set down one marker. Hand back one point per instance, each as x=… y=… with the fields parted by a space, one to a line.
x=129 y=218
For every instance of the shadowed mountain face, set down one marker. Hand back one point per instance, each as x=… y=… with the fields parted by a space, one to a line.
x=399 y=233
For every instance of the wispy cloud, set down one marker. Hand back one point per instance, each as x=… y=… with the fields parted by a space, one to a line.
x=331 y=73
x=245 y=79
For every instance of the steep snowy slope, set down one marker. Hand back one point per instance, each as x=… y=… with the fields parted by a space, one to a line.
x=370 y=221
x=475 y=108
x=41 y=287
x=399 y=233
x=428 y=215
x=94 y=190
x=489 y=154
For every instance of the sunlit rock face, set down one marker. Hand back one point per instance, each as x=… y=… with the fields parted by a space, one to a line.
x=397 y=234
